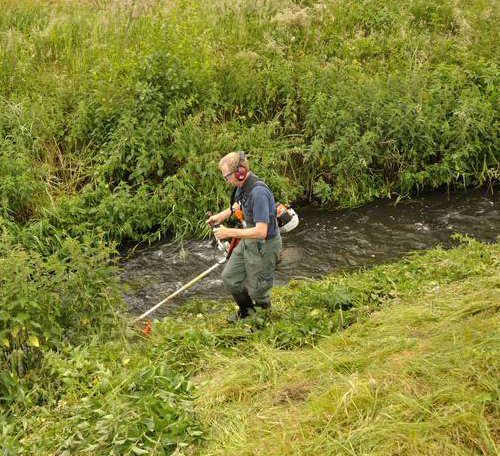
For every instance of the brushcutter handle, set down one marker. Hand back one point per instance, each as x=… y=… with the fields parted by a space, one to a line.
x=232 y=246
x=212 y=224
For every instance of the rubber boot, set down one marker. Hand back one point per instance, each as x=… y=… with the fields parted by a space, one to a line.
x=245 y=306
x=263 y=304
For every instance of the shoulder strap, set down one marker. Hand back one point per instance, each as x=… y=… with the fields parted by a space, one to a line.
x=251 y=182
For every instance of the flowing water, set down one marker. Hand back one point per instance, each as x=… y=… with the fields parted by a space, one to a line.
x=324 y=242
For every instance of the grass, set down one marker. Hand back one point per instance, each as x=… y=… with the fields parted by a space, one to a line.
x=410 y=368
x=115 y=114
x=419 y=377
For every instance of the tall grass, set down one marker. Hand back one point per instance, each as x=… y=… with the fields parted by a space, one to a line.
x=339 y=102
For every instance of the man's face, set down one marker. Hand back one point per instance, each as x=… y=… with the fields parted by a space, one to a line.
x=228 y=175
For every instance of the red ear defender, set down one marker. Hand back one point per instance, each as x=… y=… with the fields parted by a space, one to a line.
x=241 y=171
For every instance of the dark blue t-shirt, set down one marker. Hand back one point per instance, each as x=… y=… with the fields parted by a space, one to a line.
x=260 y=207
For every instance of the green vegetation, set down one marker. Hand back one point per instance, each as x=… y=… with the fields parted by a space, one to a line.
x=400 y=359
x=113 y=116
x=418 y=377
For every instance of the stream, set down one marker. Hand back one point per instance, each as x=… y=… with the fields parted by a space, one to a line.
x=324 y=242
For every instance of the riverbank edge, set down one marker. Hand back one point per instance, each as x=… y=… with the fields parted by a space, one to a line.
x=394 y=360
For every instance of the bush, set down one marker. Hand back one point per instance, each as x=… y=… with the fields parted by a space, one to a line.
x=46 y=300
x=22 y=188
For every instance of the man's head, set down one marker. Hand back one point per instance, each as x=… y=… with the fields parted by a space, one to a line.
x=234 y=167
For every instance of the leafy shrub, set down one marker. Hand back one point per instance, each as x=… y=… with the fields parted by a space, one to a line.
x=151 y=411
x=48 y=299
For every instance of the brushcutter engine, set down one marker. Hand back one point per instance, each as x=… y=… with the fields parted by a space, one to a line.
x=287 y=218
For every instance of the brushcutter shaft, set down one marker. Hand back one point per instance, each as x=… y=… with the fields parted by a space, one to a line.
x=184 y=287
x=187 y=285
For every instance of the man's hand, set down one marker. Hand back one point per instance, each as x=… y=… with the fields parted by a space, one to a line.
x=213 y=220
x=222 y=232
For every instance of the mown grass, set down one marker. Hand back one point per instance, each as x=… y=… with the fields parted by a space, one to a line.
x=404 y=363
x=419 y=377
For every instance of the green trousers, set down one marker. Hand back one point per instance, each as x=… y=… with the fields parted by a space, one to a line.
x=253 y=261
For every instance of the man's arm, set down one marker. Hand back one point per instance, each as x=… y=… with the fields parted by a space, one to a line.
x=259 y=231
x=220 y=217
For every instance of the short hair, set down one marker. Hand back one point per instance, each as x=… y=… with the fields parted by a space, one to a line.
x=232 y=160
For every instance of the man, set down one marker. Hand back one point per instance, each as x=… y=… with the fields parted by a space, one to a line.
x=254 y=258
